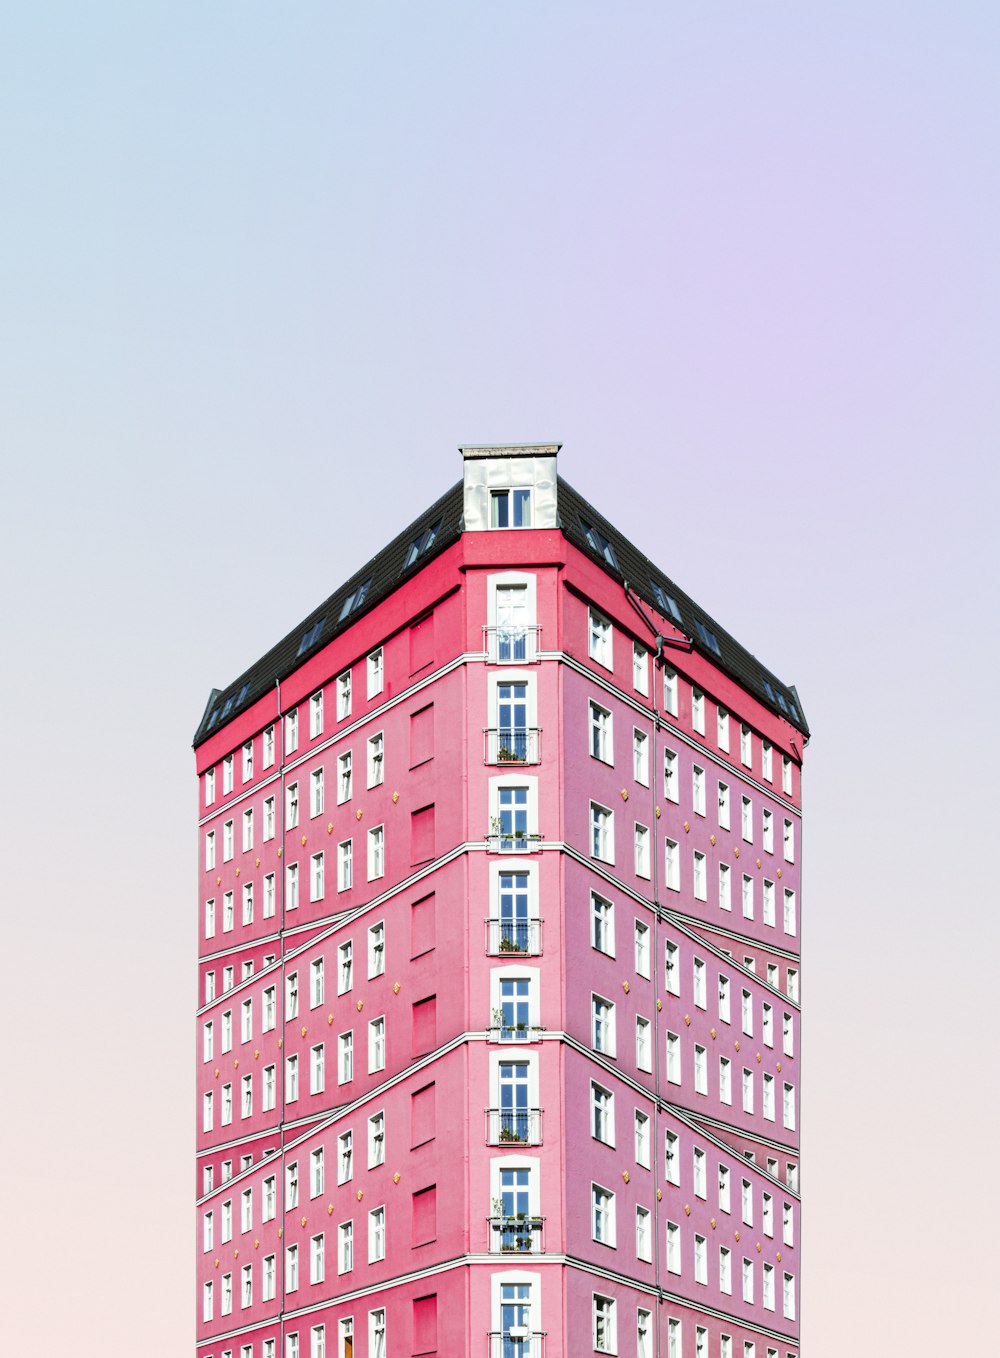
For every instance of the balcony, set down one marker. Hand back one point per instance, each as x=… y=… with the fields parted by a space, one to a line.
x=512 y=841
x=501 y=1031
x=520 y=1234
x=512 y=745
x=514 y=937
x=516 y=1342
x=513 y=1126
x=512 y=644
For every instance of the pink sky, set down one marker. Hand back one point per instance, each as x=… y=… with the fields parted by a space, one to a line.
x=263 y=269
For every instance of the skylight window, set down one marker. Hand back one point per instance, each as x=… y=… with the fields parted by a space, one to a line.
x=420 y=544
x=707 y=637
x=243 y=694
x=354 y=600
x=213 y=718
x=600 y=543
x=225 y=710
x=664 y=602
x=311 y=636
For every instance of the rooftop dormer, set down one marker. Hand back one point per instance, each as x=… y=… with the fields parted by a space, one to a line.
x=510 y=486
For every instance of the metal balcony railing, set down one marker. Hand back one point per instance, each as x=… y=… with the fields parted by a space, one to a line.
x=520 y=1234
x=514 y=644
x=516 y=1342
x=513 y=1126
x=512 y=745
x=515 y=841
x=514 y=937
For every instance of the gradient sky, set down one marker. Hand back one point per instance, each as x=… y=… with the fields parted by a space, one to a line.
x=263 y=268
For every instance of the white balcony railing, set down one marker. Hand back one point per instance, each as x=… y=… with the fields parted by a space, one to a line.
x=512 y=644
x=513 y=937
x=513 y=1126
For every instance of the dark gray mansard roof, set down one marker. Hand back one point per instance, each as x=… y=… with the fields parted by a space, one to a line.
x=435 y=530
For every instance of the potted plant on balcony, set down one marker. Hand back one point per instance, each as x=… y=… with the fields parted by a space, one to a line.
x=509 y=944
x=505 y=755
x=508 y=1133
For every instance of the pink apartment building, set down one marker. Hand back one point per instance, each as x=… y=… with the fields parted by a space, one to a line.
x=498 y=998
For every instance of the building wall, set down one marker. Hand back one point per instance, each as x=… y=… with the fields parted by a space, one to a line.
x=436 y=979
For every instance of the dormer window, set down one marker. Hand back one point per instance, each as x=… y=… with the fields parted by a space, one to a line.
x=510 y=508
x=665 y=602
x=311 y=636
x=354 y=600
x=599 y=543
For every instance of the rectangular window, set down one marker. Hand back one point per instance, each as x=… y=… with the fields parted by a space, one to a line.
x=722 y=729
x=376 y=770
x=316 y=878
x=376 y=950
x=789 y=1106
x=291 y=806
x=792 y=984
x=317 y=1259
x=746 y=746
x=345 y=1157
x=643 y=1045
x=210 y=787
x=209 y=850
x=292 y=886
x=641 y=1131
x=788 y=1297
x=699 y=1162
x=768 y=1097
x=700 y=1259
x=345 y=865
x=767 y=1025
x=510 y=508
x=790 y=920
x=344 y=696
x=602 y=838
x=767 y=830
x=673 y=865
x=724 y=998
x=641 y=851
x=700 y=983
x=317 y=982
x=786 y=775
x=748 y=1281
x=227 y=774
x=673 y=980
x=292 y=995
x=227 y=841
x=376 y=852
x=725 y=1080
x=344 y=770
x=316 y=793
x=747 y=1090
x=640 y=668
x=700 y=875
x=600 y=645
x=640 y=757
x=643 y=1235
x=269 y=1088
x=345 y=1051
x=602 y=1217
x=670 y=690
x=767 y=1214
x=725 y=1271
x=700 y=1070
x=787 y=1224
x=605 y=1325
x=725 y=888
x=724 y=806
x=747 y=1013
x=673 y=1248
x=602 y=924
x=673 y=1058
x=642 y=949
x=698 y=711
x=768 y=910
x=317 y=1070
x=268 y=818
x=671 y=1161
x=376 y=1235
x=601 y=733
x=671 y=776
x=376 y=1045
x=345 y=967
x=316 y=715
x=603 y=1025
x=602 y=1110
x=375 y=673
x=291 y=1079
x=698 y=790
x=789 y=841
x=746 y=820
x=291 y=732
x=747 y=896
x=376 y=1140
x=766 y=763
x=268 y=746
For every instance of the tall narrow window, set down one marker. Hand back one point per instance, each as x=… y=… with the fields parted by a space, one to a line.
x=671 y=776
x=375 y=673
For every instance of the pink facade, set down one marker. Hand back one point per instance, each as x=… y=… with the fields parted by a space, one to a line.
x=498 y=1030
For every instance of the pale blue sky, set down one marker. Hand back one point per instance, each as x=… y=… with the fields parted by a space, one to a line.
x=263 y=268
